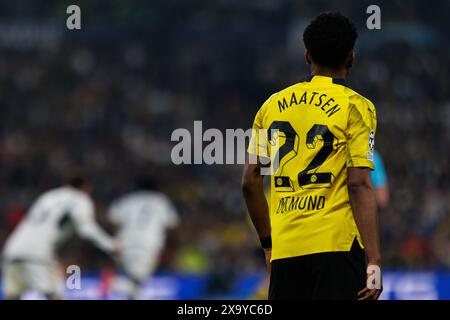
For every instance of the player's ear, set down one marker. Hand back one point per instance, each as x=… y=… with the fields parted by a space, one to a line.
x=308 y=57
x=351 y=59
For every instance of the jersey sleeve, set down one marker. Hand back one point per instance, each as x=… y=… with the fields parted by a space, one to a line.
x=86 y=226
x=258 y=142
x=361 y=128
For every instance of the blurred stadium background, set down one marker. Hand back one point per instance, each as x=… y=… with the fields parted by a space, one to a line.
x=107 y=98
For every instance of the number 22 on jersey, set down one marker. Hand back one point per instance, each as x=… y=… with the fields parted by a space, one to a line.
x=311 y=176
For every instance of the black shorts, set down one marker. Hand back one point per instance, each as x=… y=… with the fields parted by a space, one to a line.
x=320 y=276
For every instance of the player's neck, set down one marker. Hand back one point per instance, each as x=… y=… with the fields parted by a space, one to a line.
x=327 y=72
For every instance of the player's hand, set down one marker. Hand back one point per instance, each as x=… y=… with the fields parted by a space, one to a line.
x=268 y=256
x=374 y=284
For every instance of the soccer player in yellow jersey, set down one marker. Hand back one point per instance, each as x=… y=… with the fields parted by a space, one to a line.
x=321 y=234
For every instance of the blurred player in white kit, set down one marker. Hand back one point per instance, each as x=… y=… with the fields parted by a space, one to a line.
x=143 y=218
x=29 y=255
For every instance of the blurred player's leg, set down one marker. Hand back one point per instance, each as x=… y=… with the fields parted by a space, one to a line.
x=13 y=280
x=45 y=279
x=19 y=276
x=136 y=265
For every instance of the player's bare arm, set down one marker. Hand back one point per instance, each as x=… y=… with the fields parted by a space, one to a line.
x=252 y=187
x=363 y=202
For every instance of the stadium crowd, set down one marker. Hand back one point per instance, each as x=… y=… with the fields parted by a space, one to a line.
x=108 y=97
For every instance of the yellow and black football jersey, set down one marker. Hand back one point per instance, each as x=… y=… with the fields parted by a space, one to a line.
x=312 y=132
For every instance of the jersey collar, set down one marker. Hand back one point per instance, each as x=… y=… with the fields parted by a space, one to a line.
x=326 y=79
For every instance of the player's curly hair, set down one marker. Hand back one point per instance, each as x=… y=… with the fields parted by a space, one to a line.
x=329 y=38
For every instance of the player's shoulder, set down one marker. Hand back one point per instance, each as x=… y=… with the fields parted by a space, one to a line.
x=140 y=195
x=65 y=194
x=76 y=195
x=54 y=194
x=157 y=196
x=361 y=108
x=121 y=200
x=358 y=99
